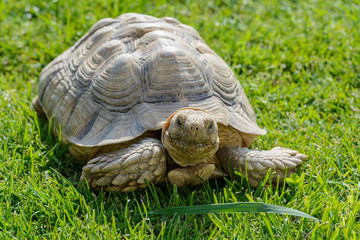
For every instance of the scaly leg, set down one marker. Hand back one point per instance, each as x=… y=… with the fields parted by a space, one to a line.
x=191 y=175
x=37 y=107
x=126 y=169
x=254 y=164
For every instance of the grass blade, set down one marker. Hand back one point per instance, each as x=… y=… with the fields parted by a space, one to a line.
x=249 y=207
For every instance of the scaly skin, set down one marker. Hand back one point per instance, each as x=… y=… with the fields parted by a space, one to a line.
x=255 y=164
x=126 y=169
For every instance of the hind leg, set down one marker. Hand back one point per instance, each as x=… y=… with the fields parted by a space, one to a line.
x=37 y=107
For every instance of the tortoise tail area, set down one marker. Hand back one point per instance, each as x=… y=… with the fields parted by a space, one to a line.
x=38 y=108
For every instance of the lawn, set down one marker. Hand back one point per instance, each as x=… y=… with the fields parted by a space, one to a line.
x=299 y=63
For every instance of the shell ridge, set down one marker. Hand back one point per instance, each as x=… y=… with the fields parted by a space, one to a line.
x=100 y=24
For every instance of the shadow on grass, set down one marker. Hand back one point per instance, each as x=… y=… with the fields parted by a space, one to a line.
x=58 y=157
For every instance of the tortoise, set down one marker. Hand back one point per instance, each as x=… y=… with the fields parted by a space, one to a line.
x=140 y=99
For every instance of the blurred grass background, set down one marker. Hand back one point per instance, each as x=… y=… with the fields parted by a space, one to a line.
x=299 y=62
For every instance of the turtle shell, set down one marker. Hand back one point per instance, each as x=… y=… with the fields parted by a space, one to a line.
x=129 y=74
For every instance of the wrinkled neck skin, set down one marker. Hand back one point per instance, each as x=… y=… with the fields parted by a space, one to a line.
x=190 y=136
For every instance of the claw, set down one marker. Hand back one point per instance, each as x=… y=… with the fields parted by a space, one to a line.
x=120 y=180
x=301 y=157
x=103 y=181
x=98 y=168
x=289 y=164
x=258 y=166
x=87 y=168
x=113 y=165
x=279 y=164
x=286 y=150
x=269 y=164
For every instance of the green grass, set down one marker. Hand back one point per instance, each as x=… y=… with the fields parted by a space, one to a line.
x=299 y=62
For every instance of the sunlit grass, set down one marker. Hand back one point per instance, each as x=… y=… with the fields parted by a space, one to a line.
x=299 y=62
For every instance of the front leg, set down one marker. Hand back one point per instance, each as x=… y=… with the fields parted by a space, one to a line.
x=191 y=175
x=126 y=169
x=254 y=164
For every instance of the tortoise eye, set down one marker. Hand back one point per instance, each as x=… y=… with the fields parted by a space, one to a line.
x=178 y=122
x=210 y=127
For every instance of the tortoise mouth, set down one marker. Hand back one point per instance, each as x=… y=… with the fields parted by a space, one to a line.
x=189 y=154
x=183 y=145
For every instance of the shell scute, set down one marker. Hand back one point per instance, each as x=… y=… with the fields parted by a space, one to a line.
x=118 y=87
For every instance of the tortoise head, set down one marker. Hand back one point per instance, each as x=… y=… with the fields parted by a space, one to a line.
x=190 y=136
